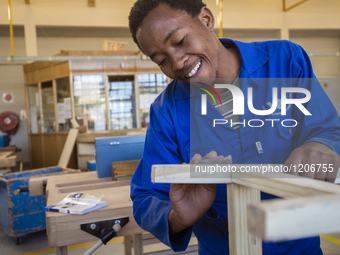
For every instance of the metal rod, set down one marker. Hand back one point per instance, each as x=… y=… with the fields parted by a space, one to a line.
x=10 y=26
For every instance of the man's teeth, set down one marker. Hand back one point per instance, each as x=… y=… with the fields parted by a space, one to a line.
x=194 y=70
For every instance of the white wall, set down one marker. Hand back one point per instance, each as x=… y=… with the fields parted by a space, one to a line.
x=12 y=81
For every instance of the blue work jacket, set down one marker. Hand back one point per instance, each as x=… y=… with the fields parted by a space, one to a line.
x=177 y=130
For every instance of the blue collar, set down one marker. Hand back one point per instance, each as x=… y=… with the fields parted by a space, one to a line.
x=252 y=56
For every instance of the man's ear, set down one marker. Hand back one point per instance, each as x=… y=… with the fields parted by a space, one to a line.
x=207 y=18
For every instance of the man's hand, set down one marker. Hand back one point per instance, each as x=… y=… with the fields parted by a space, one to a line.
x=191 y=201
x=314 y=160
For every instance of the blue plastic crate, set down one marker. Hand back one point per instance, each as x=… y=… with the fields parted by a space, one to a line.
x=21 y=214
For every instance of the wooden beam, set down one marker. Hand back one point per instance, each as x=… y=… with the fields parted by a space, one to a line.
x=7 y=162
x=68 y=148
x=295 y=218
x=185 y=174
x=241 y=241
x=122 y=169
x=279 y=184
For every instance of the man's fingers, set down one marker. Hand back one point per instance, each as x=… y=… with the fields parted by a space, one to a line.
x=195 y=159
x=212 y=154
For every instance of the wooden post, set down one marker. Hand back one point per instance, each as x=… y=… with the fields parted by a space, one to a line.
x=138 y=244
x=127 y=245
x=61 y=250
x=240 y=240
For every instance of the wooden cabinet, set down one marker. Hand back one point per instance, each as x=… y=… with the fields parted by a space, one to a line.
x=110 y=93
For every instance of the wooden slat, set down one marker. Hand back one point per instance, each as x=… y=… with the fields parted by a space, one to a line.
x=8 y=162
x=183 y=174
x=295 y=218
x=5 y=154
x=279 y=184
x=68 y=147
x=36 y=185
x=124 y=168
x=241 y=241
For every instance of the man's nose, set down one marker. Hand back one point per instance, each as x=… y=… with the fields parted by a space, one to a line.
x=179 y=61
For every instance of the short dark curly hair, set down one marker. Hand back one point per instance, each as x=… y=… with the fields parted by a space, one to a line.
x=142 y=8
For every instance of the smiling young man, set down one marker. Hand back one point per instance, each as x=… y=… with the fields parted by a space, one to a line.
x=179 y=36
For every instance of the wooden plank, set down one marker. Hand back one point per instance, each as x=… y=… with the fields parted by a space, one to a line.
x=281 y=220
x=5 y=154
x=279 y=184
x=124 y=168
x=127 y=245
x=138 y=244
x=68 y=147
x=36 y=185
x=11 y=148
x=8 y=162
x=286 y=185
x=185 y=174
x=241 y=241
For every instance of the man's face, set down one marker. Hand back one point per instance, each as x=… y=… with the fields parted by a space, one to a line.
x=183 y=46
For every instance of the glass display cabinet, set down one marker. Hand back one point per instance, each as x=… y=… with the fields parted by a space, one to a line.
x=106 y=95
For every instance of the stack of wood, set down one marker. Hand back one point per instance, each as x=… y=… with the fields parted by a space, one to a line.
x=7 y=159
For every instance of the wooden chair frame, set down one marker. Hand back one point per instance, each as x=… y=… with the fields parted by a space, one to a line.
x=311 y=207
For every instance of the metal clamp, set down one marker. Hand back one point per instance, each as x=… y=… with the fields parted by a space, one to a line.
x=101 y=228
x=105 y=230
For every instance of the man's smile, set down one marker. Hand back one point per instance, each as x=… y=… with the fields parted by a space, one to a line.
x=194 y=70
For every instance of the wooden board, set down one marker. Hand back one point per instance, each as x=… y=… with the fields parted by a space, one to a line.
x=5 y=154
x=68 y=147
x=279 y=184
x=241 y=241
x=295 y=218
x=122 y=169
x=36 y=185
x=7 y=162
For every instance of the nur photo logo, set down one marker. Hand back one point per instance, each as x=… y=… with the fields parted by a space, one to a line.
x=238 y=104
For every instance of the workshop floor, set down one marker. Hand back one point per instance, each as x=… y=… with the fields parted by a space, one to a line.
x=36 y=243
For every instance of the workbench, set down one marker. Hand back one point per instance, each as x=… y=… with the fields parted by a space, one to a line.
x=64 y=229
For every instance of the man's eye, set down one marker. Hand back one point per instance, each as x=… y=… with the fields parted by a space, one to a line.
x=181 y=41
x=162 y=62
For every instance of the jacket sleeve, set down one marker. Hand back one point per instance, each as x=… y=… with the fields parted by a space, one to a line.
x=151 y=203
x=323 y=124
